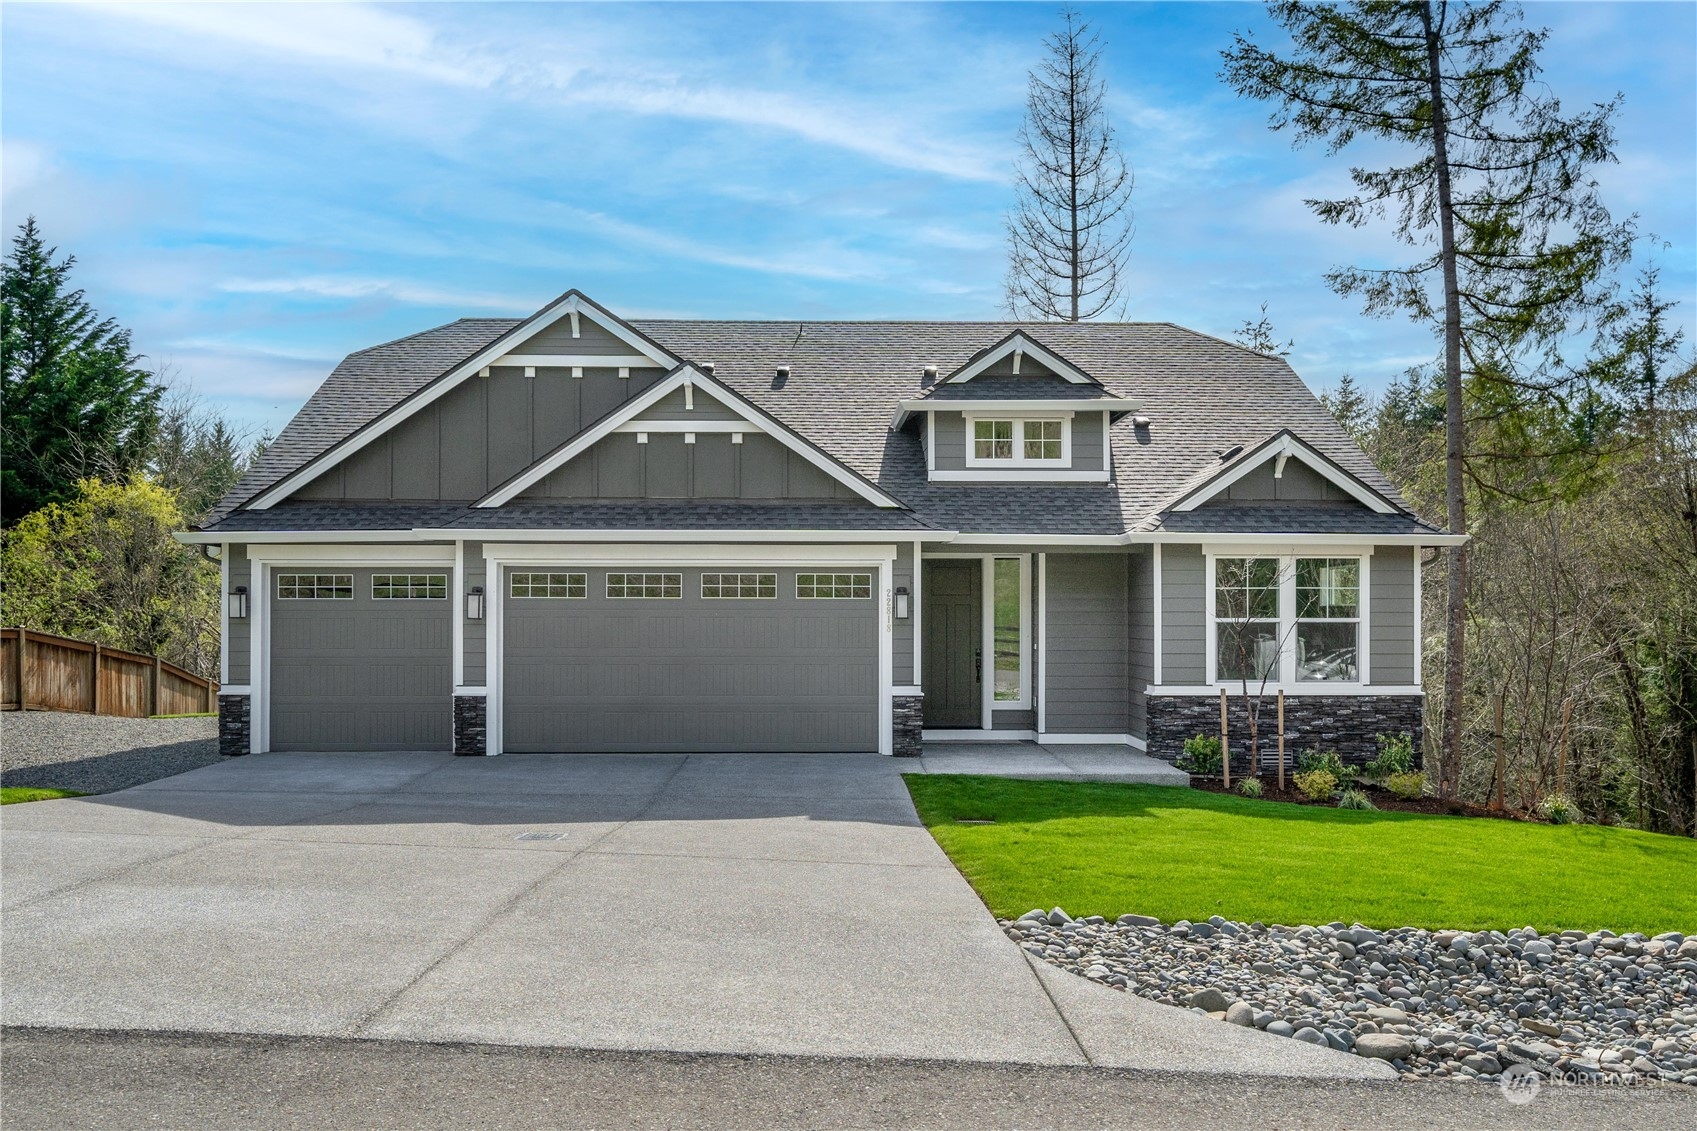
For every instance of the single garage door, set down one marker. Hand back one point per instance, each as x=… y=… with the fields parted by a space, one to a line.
x=656 y=659
x=361 y=660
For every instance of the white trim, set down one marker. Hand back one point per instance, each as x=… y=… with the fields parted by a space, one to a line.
x=930 y=441
x=1159 y=643
x=460 y=689
x=303 y=537
x=978 y=735
x=1419 y=622
x=1285 y=677
x=1042 y=689
x=916 y=623
x=571 y=302
x=1303 y=690
x=693 y=537
x=459 y=596
x=1138 y=538
x=1107 y=442
x=1107 y=541
x=931 y=406
x=987 y=642
x=684 y=375
x=1364 y=645
x=1019 y=342
x=1038 y=473
x=498 y=556
x=907 y=689
x=224 y=613
x=235 y=689
x=373 y=556
x=579 y=361
x=1286 y=445
x=687 y=426
x=1065 y=739
x=1261 y=541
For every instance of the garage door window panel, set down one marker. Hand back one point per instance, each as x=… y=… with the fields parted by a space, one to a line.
x=315 y=586
x=739 y=586
x=833 y=586
x=645 y=586
x=563 y=586
x=409 y=586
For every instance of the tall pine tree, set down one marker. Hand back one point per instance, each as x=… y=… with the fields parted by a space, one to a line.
x=73 y=402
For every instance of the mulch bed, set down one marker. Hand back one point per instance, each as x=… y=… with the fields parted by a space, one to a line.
x=1382 y=799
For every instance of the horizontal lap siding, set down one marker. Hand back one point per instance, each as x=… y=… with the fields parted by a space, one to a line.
x=1141 y=641
x=1087 y=643
x=1391 y=610
x=1183 y=609
x=236 y=644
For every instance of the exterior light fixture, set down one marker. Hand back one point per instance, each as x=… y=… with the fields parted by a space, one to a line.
x=474 y=603
x=901 y=602
x=238 y=603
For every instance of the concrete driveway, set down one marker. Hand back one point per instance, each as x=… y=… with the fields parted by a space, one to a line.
x=708 y=903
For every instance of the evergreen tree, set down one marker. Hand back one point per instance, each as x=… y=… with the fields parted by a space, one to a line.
x=1496 y=191
x=73 y=401
x=1259 y=336
x=1350 y=406
x=1070 y=232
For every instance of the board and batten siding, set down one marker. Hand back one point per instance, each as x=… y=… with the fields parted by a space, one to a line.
x=1391 y=612
x=668 y=467
x=1087 y=432
x=1141 y=640
x=239 y=639
x=1184 y=656
x=476 y=631
x=1088 y=681
x=901 y=636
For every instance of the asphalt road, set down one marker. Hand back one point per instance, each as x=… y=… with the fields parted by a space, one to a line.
x=91 y=1079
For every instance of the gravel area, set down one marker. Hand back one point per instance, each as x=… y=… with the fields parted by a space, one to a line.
x=1466 y=1005
x=100 y=753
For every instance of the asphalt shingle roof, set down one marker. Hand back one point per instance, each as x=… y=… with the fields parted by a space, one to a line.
x=1201 y=395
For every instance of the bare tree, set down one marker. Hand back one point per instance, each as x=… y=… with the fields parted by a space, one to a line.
x=1070 y=231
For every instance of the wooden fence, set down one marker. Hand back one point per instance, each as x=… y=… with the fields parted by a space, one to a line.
x=42 y=672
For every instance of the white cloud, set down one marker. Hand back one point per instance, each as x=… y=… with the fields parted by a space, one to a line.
x=396 y=290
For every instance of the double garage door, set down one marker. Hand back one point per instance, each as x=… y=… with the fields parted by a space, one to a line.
x=646 y=658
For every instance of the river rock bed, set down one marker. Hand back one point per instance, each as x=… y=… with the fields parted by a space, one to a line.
x=1595 y=1007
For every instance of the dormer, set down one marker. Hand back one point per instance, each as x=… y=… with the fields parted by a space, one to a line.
x=1015 y=412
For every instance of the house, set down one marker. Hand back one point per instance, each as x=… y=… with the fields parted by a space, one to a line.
x=580 y=532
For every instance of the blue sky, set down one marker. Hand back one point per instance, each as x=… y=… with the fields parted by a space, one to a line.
x=257 y=190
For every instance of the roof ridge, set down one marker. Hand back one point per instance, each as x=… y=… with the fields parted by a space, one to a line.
x=420 y=334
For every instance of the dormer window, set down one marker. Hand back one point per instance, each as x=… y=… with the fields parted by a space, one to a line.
x=1011 y=441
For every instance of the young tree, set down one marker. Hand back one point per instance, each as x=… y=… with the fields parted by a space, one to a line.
x=1349 y=406
x=1497 y=192
x=1070 y=230
x=1259 y=336
x=73 y=402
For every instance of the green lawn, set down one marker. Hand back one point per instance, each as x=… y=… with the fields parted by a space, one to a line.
x=1100 y=849
x=15 y=794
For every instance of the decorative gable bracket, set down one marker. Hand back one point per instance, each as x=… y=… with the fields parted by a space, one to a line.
x=1015 y=346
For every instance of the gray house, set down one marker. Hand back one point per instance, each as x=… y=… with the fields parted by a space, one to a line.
x=577 y=532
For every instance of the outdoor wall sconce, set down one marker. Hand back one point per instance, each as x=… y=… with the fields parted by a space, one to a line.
x=238 y=603
x=474 y=603
x=901 y=602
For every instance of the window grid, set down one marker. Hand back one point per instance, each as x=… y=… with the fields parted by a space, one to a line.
x=1019 y=441
x=724 y=586
x=571 y=586
x=409 y=586
x=315 y=586
x=992 y=439
x=1307 y=608
x=664 y=586
x=1246 y=618
x=833 y=586
x=1328 y=619
x=1042 y=439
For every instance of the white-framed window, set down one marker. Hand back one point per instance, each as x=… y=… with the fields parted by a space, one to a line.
x=739 y=586
x=1286 y=619
x=663 y=586
x=833 y=586
x=1010 y=623
x=409 y=586
x=994 y=441
x=315 y=586
x=569 y=586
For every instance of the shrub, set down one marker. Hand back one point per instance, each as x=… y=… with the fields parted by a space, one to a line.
x=1410 y=786
x=1250 y=787
x=1559 y=810
x=1201 y=755
x=1325 y=761
x=1396 y=755
x=1353 y=798
x=1316 y=785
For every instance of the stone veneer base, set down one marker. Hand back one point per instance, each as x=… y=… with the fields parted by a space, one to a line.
x=908 y=722
x=235 y=725
x=471 y=725
x=1349 y=724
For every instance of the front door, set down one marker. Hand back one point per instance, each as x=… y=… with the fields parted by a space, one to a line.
x=954 y=651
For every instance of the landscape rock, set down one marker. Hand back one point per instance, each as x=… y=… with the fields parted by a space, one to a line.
x=1383 y=1046
x=1209 y=1000
x=1241 y=1013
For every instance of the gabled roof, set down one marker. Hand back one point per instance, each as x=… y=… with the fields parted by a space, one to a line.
x=689 y=378
x=1279 y=447
x=1016 y=345
x=572 y=306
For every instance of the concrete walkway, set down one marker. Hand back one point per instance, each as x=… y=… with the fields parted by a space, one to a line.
x=737 y=904
x=1060 y=761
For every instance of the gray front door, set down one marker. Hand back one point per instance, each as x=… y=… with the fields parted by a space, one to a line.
x=954 y=630
x=361 y=659
x=657 y=658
